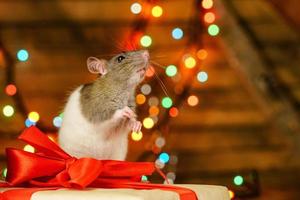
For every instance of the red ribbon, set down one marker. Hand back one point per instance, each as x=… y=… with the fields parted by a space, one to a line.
x=52 y=168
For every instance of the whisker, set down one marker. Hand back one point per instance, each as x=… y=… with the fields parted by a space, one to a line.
x=157 y=64
x=161 y=83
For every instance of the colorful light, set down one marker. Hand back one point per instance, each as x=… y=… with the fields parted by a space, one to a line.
x=157 y=11
x=33 y=116
x=171 y=70
x=171 y=175
x=207 y=4
x=177 y=33
x=160 y=142
x=202 y=54
x=150 y=72
x=153 y=111
x=209 y=17
x=144 y=178
x=193 y=100
x=164 y=157
x=189 y=62
x=173 y=112
x=22 y=55
x=148 y=123
x=29 y=123
x=153 y=101
x=167 y=102
x=146 y=89
x=4 y=172
x=136 y=8
x=202 y=76
x=159 y=164
x=146 y=41
x=213 y=30
x=57 y=121
x=136 y=136
x=238 y=180
x=10 y=89
x=29 y=148
x=140 y=99
x=8 y=111
x=231 y=194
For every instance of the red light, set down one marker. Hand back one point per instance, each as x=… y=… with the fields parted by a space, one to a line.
x=173 y=112
x=10 y=90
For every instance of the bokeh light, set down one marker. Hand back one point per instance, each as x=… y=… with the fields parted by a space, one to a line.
x=202 y=76
x=33 y=116
x=171 y=175
x=167 y=102
x=238 y=180
x=146 y=41
x=173 y=112
x=207 y=4
x=57 y=121
x=150 y=72
x=144 y=178
x=171 y=70
x=153 y=111
x=148 y=123
x=189 y=62
x=164 y=157
x=193 y=100
x=136 y=8
x=177 y=33
x=29 y=148
x=22 y=55
x=10 y=89
x=160 y=142
x=231 y=194
x=209 y=17
x=146 y=89
x=157 y=11
x=136 y=136
x=4 y=172
x=153 y=101
x=140 y=99
x=29 y=123
x=8 y=111
x=213 y=30
x=202 y=54
x=159 y=164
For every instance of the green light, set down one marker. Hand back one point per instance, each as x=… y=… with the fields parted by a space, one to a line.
x=166 y=102
x=144 y=178
x=146 y=41
x=238 y=180
x=4 y=172
x=171 y=70
x=213 y=30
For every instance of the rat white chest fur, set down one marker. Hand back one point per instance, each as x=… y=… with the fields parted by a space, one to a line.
x=82 y=138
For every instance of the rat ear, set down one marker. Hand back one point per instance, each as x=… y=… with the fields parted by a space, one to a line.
x=96 y=66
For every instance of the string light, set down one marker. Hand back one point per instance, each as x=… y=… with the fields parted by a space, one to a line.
x=202 y=54
x=57 y=121
x=209 y=17
x=173 y=112
x=202 y=76
x=140 y=99
x=150 y=72
x=213 y=30
x=157 y=11
x=33 y=116
x=171 y=70
x=167 y=102
x=238 y=180
x=146 y=41
x=10 y=89
x=148 y=123
x=146 y=89
x=22 y=55
x=29 y=123
x=8 y=111
x=136 y=8
x=193 y=100
x=207 y=4
x=159 y=164
x=164 y=157
x=144 y=178
x=153 y=111
x=153 y=101
x=189 y=62
x=231 y=194
x=177 y=33
x=4 y=172
x=171 y=175
x=29 y=148
x=136 y=136
x=160 y=142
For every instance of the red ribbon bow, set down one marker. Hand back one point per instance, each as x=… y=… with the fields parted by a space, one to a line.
x=52 y=168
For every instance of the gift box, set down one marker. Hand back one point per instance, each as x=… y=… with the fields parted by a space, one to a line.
x=51 y=173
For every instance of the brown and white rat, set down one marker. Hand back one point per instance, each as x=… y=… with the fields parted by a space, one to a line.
x=98 y=116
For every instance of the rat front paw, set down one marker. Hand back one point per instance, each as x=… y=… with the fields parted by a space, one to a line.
x=124 y=113
x=136 y=126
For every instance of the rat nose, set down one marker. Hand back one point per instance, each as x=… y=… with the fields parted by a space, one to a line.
x=145 y=55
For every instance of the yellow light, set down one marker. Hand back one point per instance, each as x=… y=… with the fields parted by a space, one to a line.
x=202 y=54
x=193 y=100
x=29 y=148
x=157 y=11
x=33 y=116
x=190 y=62
x=209 y=17
x=140 y=99
x=148 y=123
x=153 y=110
x=207 y=4
x=136 y=136
x=231 y=194
x=8 y=111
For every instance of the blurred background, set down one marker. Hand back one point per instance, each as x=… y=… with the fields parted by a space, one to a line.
x=222 y=107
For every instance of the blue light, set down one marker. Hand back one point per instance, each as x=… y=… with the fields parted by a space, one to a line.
x=202 y=76
x=57 y=121
x=164 y=157
x=177 y=33
x=29 y=123
x=22 y=55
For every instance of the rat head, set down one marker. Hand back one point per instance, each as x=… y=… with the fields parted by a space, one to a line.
x=128 y=66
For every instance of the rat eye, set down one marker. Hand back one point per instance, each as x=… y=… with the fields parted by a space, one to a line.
x=120 y=58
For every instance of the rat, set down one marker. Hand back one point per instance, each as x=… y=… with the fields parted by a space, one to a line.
x=99 y=115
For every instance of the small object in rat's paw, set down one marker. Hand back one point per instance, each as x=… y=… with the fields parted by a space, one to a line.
x=99 y=115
